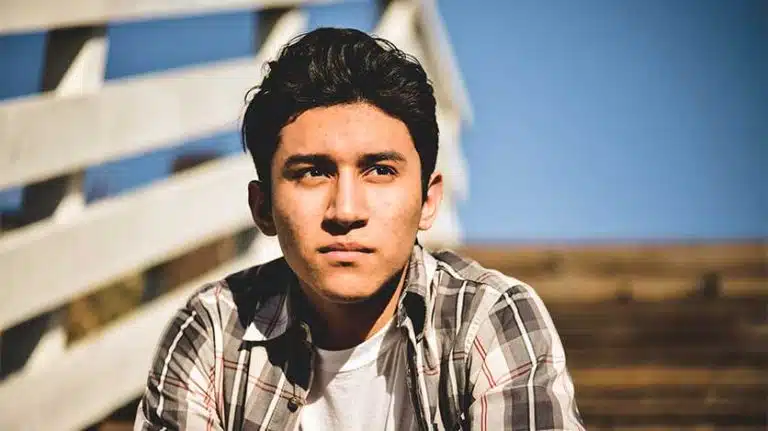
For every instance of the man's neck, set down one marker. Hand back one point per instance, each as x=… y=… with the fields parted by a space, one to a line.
x=338 y=326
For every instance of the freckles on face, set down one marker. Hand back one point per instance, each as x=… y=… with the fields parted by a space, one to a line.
x=346 y=193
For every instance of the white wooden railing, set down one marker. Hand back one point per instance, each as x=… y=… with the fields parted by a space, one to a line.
x=70 y=249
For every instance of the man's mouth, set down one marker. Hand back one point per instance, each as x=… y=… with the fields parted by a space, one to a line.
x=345 y=250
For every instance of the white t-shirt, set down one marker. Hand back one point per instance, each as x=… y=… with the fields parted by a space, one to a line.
x=362 y=388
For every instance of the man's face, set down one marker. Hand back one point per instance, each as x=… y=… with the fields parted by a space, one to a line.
x=347 y=199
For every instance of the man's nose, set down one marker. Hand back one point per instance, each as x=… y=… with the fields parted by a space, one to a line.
x=347 y=208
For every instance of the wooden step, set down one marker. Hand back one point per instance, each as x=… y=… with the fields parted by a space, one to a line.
x=617 y=417
x=693 y=356
x=593 y=273
x=642 y=376
x=744 y=259
x=672 y=396
x=689 y=408
x=695 y=426
x=750 y=309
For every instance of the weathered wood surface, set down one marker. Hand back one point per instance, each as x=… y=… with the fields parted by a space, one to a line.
x=668 y=364
x=594 y=273
x=662 y=364
x=748 y=258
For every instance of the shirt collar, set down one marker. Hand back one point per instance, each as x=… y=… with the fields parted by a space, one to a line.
x=419 y=291
x=275 y=314
x=272 y=310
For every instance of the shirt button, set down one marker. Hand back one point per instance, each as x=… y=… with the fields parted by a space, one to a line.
x=294 y=403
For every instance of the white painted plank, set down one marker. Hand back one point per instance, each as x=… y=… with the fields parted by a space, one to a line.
x=446 y=230
x=396 y=23
x=45 y=135
x=37 y=15
x=450 y=159
x=99 y=373
x=48 y=263
x=431 y=47
x=448 y=74
x=75 y=61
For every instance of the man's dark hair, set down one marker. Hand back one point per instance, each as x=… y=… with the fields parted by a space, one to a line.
x=332 y=66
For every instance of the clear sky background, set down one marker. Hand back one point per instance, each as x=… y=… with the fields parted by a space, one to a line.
x=595 y=120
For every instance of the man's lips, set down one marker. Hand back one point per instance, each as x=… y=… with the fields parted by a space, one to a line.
x=345 y=249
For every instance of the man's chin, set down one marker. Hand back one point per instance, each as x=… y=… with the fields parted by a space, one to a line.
x=342 y=298
x=351 y=288
x=353 y=285
x=348 y=293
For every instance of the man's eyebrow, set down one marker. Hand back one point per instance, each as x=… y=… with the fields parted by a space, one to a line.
x=373 y=158
x=307 y=159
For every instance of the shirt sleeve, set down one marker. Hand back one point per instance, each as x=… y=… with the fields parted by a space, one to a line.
x=180 y=392
x=517 y=373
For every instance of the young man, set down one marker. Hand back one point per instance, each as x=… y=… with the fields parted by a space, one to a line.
x=358 y=326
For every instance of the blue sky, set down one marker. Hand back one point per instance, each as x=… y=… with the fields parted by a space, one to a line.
x=594 y=120
x=616 y=120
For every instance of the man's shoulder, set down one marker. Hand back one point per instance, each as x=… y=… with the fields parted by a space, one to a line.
x=482 y=292
x=485 y=298
x=488 y=280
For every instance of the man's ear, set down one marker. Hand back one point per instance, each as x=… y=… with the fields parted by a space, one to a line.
x=432 y=201
x=261 y=207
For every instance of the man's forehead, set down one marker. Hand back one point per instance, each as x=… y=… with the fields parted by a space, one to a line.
x=345 y=132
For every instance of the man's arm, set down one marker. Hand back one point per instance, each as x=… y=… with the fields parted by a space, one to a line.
x=517 y=372
x=181 y=391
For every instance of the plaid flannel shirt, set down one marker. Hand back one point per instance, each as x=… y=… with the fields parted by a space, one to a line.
x=482 y=353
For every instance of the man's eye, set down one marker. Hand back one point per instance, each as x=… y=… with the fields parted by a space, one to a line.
x=310 y=172
x=382 y=170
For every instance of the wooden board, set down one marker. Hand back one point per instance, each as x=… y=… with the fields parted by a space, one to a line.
x=130 y=116
x=37 y=15
x=645 y=375
x=594 y=273
x=747 y=258
x=48 y=263
x=99 y=373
